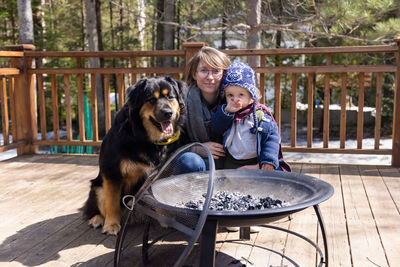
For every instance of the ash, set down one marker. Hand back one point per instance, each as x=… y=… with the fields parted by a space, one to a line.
x=236 y=201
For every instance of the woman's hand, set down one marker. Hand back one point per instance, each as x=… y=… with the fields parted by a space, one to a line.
x=216 y=149
x=255 y=167
x=249 y=167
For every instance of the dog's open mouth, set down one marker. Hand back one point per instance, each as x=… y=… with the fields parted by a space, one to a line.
x=165 y=127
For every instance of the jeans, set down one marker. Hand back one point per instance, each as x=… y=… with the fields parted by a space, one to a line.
x=188 y=162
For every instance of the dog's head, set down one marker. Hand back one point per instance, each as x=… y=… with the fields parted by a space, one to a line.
x=157 y=104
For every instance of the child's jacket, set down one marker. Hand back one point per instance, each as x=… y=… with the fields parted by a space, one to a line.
x=268 y=139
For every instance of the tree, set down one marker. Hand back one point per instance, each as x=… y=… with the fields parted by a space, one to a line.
x=169 y=29
x=25 y=22
x=93 y=32
x=254 y=33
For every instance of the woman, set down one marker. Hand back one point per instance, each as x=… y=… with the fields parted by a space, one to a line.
x=203 y=77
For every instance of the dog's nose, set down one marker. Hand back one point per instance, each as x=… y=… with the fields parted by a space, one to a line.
x=166 y=114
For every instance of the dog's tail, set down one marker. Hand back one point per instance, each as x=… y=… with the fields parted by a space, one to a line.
x=91 y=208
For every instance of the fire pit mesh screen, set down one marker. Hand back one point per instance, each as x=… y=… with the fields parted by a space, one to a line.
x=186 y=221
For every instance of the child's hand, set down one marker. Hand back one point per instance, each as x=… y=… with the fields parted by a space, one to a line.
x=267 y=167
x=231 y=106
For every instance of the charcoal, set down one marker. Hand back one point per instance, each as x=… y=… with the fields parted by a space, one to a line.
x=236 y=201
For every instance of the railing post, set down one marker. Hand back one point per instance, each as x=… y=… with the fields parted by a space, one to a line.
x=396 y=112
x=24 y=101
x=191 y=48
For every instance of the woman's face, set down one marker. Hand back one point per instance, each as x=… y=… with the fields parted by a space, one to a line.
x=207 y=78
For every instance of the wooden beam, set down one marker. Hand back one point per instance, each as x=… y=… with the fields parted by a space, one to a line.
x=54 y=101
x=343 y=111
x=24 y=100
x=42 y=107
x=293 y=124
x=378 y=108
x=360 y=115
x=4 y=111
x=278 y=101
x=310 y=110
x=396 y=112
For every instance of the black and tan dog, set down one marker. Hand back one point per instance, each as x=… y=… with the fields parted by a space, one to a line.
x=139 y=139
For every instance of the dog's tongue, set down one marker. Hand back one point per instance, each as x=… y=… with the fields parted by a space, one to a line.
x=167 y=127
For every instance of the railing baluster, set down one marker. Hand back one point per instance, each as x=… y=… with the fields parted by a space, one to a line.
x=81 y=112
x=293 y=127
x=343 y=111
x=262 y=80
x=94 y=107
x=133 y=65
x=360 y=117
x=327 y=100
x=120 y=89
x=11 y=89
x=4 y=110
x=107 y=108
x=310 y=110
x=378 y=108
x=54 y=100
x=68 y=118
x=278 y=101
x=42 y=107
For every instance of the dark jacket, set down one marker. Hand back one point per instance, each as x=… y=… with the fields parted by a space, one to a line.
x=268 y=139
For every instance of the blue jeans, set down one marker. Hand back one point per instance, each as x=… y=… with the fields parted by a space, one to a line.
x=188 y=162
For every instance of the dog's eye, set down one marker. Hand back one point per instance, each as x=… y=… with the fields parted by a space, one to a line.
x=171 y=97
x=152 y=100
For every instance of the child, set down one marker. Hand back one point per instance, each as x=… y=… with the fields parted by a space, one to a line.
x=250 y=135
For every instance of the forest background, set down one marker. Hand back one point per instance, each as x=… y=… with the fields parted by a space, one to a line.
x=109 y=25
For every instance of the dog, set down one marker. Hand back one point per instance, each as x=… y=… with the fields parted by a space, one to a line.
x=140 y=138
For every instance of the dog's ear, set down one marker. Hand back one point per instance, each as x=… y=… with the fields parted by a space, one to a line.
x=134 y=93
x=180 y=90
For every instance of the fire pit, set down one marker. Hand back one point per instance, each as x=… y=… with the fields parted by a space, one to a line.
x=163 y=199
x=299 y=191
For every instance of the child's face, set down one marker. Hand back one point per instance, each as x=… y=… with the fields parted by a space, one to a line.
x=237 y=97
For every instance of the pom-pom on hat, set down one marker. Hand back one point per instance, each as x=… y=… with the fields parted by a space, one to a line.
x=241 y=74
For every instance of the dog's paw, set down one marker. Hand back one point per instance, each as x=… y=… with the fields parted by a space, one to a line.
x=111 y=228
x=96 y=221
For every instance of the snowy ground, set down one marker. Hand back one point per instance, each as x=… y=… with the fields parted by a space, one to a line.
x=313 y=157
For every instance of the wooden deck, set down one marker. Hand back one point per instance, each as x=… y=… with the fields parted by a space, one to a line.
x=41 y=224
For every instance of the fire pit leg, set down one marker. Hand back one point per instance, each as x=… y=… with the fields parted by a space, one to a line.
x=208 y=239
x=244 y=233
x=323 y=233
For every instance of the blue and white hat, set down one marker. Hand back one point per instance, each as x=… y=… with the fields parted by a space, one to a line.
x=241 y=74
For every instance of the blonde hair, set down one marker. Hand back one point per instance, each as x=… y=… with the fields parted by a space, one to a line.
x=211 y=56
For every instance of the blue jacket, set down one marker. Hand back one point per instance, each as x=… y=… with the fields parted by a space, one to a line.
x=268 y=139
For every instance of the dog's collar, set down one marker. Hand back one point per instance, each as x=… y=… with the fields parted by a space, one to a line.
x=175 y=137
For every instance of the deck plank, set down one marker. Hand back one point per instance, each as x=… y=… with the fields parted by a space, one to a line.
x=364 y=239
x=334 y=217
x=384 y=211
x=304 y=223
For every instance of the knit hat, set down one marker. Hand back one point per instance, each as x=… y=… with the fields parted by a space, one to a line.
x=241 y=74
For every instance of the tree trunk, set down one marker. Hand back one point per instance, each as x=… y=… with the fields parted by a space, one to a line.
x=223 y=33
x=113 y=78
x=254 y=34
x=121 y=20
x=169 y=30
x=25 y=22
x=141 y=22
x=94 y=41
x=160 y=30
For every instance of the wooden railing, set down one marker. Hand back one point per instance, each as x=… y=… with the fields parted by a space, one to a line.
x=26 y=116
